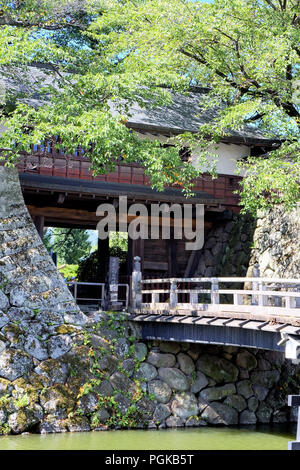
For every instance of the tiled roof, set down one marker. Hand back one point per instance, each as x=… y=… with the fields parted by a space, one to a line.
x=183 y=114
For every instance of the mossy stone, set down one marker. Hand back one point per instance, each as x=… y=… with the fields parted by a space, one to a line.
x=65 y=329
x=14 y=363
x=58 y=401
x=161 y=391
x=185 y=405
x=174 y=378
x=54 y=370
x=217 y=368
x=246 y=360
x=78 y=424
x=5 y=387
x=22 y=420
x=140 y=351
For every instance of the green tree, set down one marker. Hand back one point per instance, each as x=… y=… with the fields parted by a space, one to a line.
x=245 y=51
x=118 y=241
x=70 y=244
x=48 y=239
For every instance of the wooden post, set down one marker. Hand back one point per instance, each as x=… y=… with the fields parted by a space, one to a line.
x=103 y=256
x=173 y=295
x=102 y=294
x=136 y=283
x=154 y=299
x=172 y=255
x=214 y=296
x=193 y=298
x=75 y=290
x=255 y=285
x=129 y=257
x=238 y=299
x=294 y=400
x=262 y=299
x=290 y=302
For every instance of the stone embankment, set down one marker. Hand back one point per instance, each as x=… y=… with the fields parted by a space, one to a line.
x=99 y=376
x=227 y=248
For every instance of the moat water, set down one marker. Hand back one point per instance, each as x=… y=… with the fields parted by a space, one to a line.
x=261 y=437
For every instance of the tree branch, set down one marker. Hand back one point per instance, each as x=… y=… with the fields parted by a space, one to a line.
x=271 y=4
x=65 y=235
x=5 y=21
x=202 y=61
x=256 y=117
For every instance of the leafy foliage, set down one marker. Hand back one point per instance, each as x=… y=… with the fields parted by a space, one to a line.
x=47 y=239
x=88 y=268
x=115 y=415
x=118 y=244
x=70 y=244
x=69 y=271
x=245 y=51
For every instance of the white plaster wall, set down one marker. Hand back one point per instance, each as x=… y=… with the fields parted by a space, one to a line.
x=228 y=154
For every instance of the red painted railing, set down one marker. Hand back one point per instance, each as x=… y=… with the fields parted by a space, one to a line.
x=52 y=161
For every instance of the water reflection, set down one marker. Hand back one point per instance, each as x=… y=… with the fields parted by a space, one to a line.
x=263 y=437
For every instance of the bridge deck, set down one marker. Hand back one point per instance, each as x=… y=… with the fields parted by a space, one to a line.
x=225 y=312
x=252 y=324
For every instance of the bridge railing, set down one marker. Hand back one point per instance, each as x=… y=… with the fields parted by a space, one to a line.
x=253 y=294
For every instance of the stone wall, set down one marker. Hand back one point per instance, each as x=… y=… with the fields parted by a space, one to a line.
x=57 y=366
x=227 y=248
x=276 y=243
x=237 y=242
x=29 y=279
x=199 y=385
x=36 y=310
x=109 y=379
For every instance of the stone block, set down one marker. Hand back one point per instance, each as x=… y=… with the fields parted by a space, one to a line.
x=185 y=405
x=161 y=360
x=174 y=378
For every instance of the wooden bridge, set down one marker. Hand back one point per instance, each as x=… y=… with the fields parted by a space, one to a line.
x=251 y=312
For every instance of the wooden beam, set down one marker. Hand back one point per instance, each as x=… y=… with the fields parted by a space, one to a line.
x=156 y=265
x=65 y=214
x=81 y=215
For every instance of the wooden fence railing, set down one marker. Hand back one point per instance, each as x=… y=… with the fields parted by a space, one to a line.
x=253 y=294
x=99 y=292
